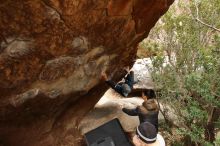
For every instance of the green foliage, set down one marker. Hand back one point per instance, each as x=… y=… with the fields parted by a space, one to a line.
x=151 y=48
x=186 y=62
x=217 y=141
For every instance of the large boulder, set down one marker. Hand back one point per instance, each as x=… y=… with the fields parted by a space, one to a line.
x=110 y=107
x=51 y=55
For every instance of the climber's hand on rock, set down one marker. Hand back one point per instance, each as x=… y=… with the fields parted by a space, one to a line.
x=104 y=76
x=127 y=69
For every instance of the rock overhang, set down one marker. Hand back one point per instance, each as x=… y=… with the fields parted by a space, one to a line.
x=53 y=51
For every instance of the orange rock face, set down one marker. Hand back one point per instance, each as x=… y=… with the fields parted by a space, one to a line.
x=52 y=53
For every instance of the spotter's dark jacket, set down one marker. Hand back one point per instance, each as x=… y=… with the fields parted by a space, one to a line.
x=144 y=114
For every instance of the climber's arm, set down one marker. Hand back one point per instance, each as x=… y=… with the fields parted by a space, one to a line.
x=105 y=78
x=111 y=83
x=130 y=112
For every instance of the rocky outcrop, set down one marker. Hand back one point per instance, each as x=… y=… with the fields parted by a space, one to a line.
x=51 y=55
x=109 y=108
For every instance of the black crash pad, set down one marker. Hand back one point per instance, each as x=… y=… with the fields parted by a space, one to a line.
x=108 y=134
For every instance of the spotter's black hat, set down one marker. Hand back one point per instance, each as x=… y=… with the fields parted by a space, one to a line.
x=147 y=132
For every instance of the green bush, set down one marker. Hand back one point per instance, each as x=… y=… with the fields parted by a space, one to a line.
x=186 y=67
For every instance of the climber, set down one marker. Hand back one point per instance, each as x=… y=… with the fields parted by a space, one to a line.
x=146 y=135
x=124 y=87
x=147 y=112
x=148 y=94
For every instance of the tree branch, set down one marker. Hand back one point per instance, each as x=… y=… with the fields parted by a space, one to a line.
x=202 y=22
x=210 y=26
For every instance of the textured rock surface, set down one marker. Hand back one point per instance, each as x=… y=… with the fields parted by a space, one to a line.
x=110 y=105
x=108 y=108
x=142 y=75
x=51 y=55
